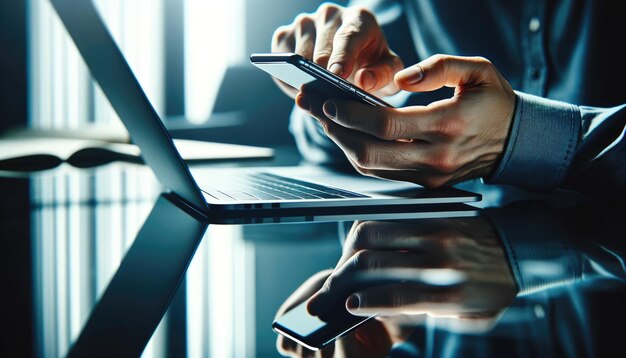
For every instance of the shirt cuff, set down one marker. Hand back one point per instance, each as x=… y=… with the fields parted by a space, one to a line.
x=543 y=138
x=537 y=246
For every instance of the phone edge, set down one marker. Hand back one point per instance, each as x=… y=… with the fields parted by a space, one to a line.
x=288 y=333
x=319 y=72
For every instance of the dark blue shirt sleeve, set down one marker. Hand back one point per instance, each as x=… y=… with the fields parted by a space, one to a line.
x=543 y=136
x=555 y=144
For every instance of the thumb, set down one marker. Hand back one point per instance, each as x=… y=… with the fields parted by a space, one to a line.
x=444 y=70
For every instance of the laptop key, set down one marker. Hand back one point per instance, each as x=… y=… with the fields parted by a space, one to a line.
x=261 y=195
x=278 y=192
x=299 y=194
x=266 y=186
x=310 y=186
x=218 y=195
x=239 y=195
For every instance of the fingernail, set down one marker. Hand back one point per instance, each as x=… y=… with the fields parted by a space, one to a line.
x=330 y=110
x=415 y=75
x=353 y=302
x=336 y=68
x=368 y=78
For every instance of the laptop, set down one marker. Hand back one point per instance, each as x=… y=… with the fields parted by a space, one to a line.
x=231 y=190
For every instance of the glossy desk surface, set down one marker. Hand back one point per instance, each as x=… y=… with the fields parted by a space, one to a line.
x=95 y=262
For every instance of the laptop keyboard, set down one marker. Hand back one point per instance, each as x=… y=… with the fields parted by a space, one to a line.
x=266 y=186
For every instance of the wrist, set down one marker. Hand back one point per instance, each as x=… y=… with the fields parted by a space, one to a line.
x=542 y=139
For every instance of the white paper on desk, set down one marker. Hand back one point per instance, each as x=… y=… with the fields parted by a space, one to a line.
x=55 y=150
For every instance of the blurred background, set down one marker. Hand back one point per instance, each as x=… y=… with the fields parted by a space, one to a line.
x=190 y=56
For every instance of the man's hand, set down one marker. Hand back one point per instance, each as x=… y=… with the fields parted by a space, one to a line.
x=347 y=41
x=440 y=267
x=369 y=340
x=443 y=143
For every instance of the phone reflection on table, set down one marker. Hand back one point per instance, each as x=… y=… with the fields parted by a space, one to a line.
x=524 y=270
x=402 y=271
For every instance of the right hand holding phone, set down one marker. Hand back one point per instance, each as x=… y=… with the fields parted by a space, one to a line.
x=369 y=340
x=440 y=267
x=347 y=41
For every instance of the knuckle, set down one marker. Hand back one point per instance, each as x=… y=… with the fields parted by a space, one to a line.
x=444 y=163
x=363 y=259
x=348 y=31
x=330 y=283
x=396 y=63
x=362 y=234
x=483 y=64
x=364 y=14
x=482 y=60
x=304 y=22
x=327 y=11
x=344 y=40
x=321 y=55
x=440 y=63
x=364 y=157
x=388 y=127
x=439 y=58
x=281 y=34
x=303 y=16
x=447 y=128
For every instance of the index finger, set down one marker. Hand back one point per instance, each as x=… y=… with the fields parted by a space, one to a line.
x=349 y=41
x=304 y=292
x=369 y=268
x=327 y=24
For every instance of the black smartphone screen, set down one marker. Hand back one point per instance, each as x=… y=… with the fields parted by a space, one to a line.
x=311 y=331
x=297 y=71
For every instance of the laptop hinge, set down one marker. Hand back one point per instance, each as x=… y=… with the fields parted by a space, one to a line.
x=185 y=206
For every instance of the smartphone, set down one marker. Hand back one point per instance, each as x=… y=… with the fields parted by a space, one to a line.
x=311 y=331
x=296 y=71
x=315 y=333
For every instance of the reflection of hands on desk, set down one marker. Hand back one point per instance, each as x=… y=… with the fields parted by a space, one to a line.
x=369 y=340
x=459 y=271
x=403 y=271
x=450 y=267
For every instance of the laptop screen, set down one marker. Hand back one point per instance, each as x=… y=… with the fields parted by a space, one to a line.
x=114 y=76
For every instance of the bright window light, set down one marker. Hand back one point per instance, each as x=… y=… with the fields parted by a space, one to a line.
x=214 y=38
x=62 y=95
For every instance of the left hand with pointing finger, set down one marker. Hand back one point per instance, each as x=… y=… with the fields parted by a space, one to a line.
x=452 y=140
